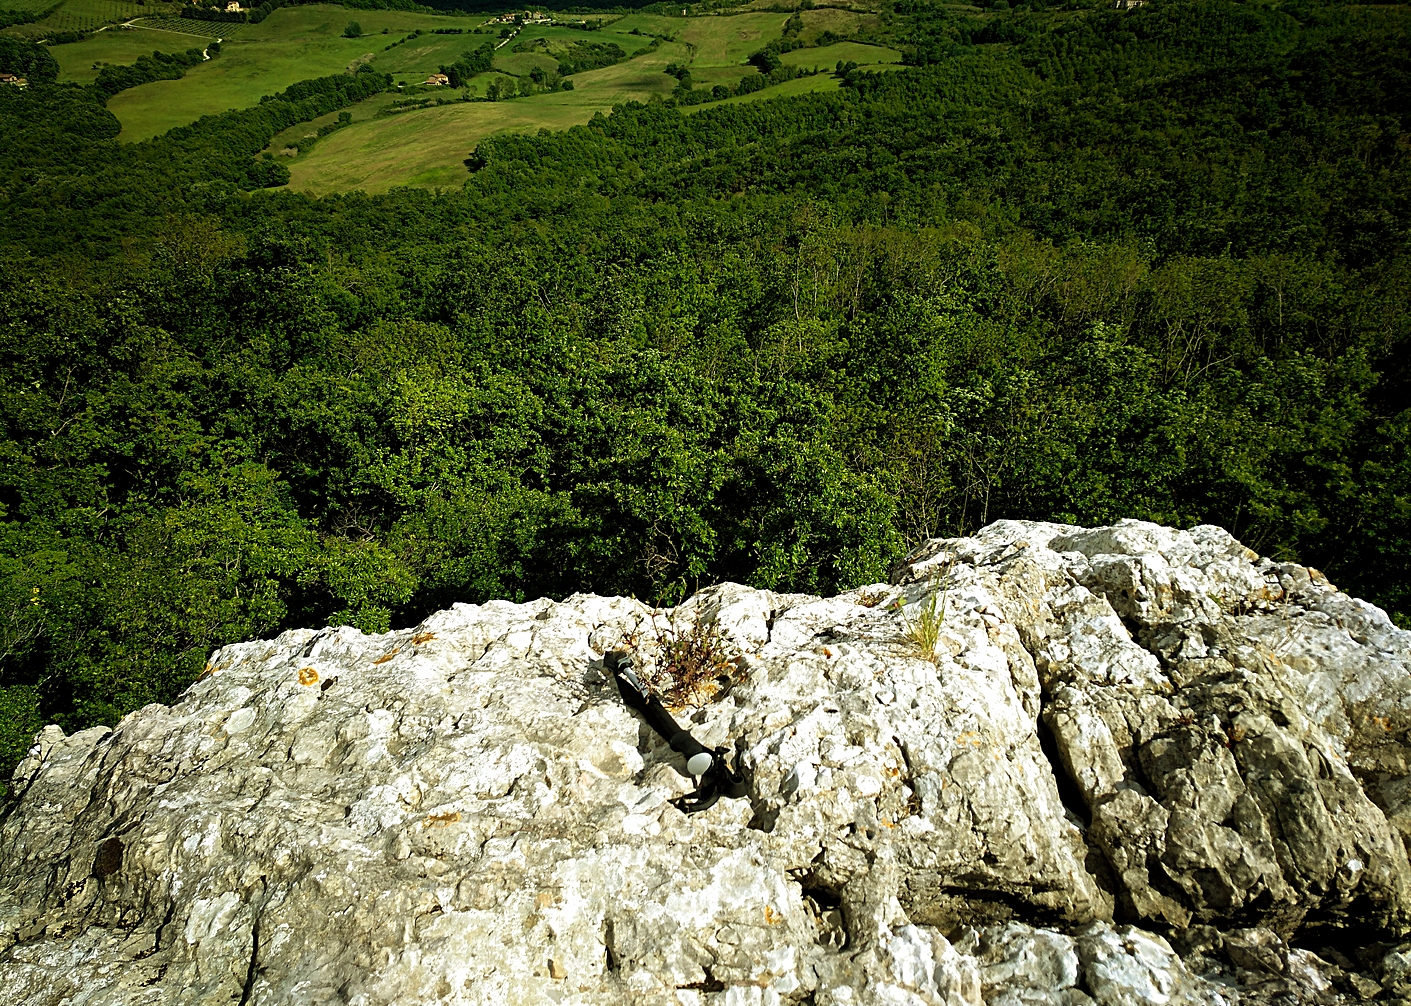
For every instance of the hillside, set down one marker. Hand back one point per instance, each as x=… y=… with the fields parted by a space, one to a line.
x=1058 y=265
x=395 y=141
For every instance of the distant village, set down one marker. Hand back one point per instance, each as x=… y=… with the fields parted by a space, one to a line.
x=522 y=17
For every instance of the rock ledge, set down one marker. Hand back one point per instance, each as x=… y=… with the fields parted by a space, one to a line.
x=1144 y=766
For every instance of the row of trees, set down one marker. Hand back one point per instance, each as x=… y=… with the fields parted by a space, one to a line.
x=158 y=66
x=25 y=59
x=472 y=62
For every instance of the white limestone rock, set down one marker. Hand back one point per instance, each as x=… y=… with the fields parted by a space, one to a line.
x=465 y=812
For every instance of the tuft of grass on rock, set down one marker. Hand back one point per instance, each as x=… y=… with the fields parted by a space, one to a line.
x=923 y=630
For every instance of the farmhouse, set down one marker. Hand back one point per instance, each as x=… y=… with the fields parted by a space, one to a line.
x=10 y=78
x=233 y=7
x=438 y=79
x=522 y=17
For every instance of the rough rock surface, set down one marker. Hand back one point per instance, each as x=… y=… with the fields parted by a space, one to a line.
x=1144 y=766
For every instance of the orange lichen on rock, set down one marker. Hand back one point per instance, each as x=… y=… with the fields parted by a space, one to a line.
x=308 y=676
x=386 y=656
x=423 y=637
x=442 y=820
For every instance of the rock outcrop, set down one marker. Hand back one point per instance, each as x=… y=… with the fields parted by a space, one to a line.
x=1136 y=765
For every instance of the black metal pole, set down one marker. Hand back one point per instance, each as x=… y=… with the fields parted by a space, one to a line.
x=637 y=695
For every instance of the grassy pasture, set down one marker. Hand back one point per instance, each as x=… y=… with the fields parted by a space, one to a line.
x=728 y=40
x=361 y=112
x=520 y=63
x=421 y=56
x=629 y=42
x=428 y=146
x=482 y=81
x=318 y=20
x=120 y=46
x=648 y=24
x=238 y=77
x=625 y=40
x=799 y=85
x=839 y=22
x=709 y=76
x=828 y=56
x=717 y=39
x=292 y=44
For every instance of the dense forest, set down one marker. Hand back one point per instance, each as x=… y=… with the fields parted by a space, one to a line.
x=1071 y=264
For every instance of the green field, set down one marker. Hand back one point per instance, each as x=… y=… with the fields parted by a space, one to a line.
x=799 y=85
x=839 y=22
x=79 y=61
x=415 y=59
x=828 y=56
x=239 y=76
x=292 y=44
x=708 y=76
x=721 y=40
x=427 y=146
x=291 y=24
x=288 y=141
x=520 y=63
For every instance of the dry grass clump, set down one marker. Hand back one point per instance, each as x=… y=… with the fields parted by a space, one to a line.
x=693 y=663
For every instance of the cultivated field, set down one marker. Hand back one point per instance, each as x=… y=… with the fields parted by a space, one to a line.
x=237 y=78
x=427 y=146
x=79 y=61
x=28 y=6
x=709 y=76
x=799 y=85
x=869 y=57
x=73 y=15
x=192 y=26
x=715 y=40
x=292 y=44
